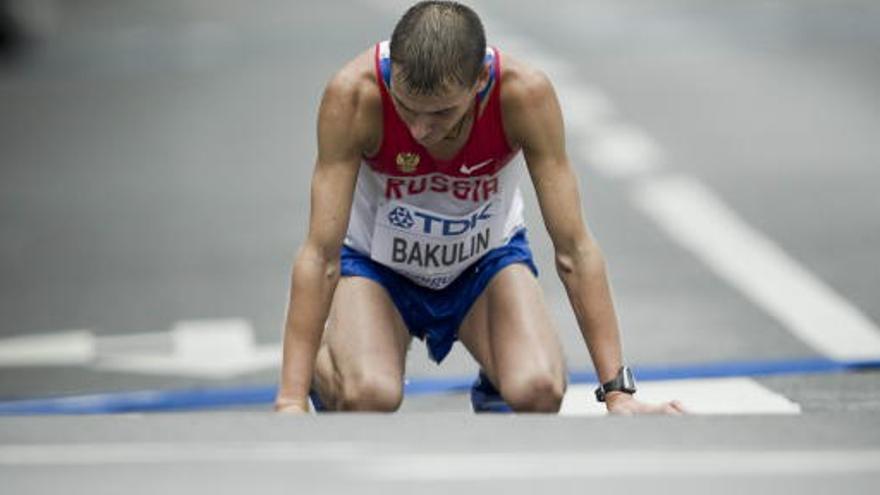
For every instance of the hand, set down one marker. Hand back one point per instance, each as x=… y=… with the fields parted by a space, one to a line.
x=625 y=404
x=290 y=406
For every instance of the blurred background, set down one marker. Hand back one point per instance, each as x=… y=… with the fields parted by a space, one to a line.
x=155 y=160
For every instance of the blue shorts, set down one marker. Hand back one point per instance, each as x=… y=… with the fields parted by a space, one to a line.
x=435 y=315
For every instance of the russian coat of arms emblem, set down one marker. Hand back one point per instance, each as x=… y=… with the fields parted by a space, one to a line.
x=407 y=162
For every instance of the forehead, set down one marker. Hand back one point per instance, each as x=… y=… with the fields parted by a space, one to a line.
x=451 y=95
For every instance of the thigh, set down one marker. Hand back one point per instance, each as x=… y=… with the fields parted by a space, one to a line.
x=509 y=330
x=365 y=335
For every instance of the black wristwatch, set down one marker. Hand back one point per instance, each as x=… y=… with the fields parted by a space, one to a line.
x=623 y=382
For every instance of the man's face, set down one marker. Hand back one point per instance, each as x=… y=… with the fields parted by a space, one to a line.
x=430 y=118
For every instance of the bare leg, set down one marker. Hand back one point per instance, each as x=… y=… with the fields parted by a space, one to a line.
x=360 y=363
x=510 y=333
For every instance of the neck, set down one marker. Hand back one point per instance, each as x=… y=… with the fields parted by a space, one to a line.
x=455 y=133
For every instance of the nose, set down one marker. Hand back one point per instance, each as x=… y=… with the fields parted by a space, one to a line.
x=420 y=128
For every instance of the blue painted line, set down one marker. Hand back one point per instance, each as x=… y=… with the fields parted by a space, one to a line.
x=737 y=369
x=213 y=398
x=430 y=386
x=142 y=401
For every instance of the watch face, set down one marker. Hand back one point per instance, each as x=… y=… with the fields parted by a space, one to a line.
x=629 y=383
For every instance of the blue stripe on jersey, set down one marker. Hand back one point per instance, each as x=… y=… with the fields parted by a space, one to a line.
x=385 y=68
x=490 y=59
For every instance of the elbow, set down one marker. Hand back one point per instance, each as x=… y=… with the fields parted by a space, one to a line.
x=318 y=261
x=579 y=257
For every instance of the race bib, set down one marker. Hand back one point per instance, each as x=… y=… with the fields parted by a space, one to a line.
x=432 y=249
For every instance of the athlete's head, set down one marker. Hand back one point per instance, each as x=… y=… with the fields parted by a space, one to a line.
x=437 y=66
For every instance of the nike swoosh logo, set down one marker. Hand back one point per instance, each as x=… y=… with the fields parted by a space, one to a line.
x=469 y=170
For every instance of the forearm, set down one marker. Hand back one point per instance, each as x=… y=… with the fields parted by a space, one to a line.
x=312 y=285
x=583 y=273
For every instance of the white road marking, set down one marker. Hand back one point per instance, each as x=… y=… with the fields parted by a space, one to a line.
x=621 y=151
x=699 y=396
x=65 y=348
x=134 y=342
x=585 y=109
x=698 y=220
x=629 y=463
x=201 y=348
x=371 y=462
x=219 y=348
x=84 y=454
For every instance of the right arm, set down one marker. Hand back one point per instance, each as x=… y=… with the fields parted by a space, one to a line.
x=316 y=268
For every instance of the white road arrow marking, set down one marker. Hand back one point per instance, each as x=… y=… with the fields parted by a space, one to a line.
x=66 y=348
x=811 y=310
x=699 y=396
x=621 y=150
x=216 y=349
x=199 y=348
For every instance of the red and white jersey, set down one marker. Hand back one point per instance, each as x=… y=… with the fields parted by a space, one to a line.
x=430 y=219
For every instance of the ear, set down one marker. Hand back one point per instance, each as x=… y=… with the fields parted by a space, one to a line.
x=483 y=78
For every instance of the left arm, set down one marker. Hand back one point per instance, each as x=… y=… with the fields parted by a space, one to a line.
x=533 y=120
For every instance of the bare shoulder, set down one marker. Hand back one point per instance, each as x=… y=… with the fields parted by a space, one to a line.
x=527 y=99
x=352 y=103
x=520 y=80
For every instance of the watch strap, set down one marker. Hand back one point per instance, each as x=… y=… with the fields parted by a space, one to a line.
x=623 y=382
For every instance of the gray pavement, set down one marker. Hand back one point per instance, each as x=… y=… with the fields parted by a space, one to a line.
x=154 y=166
x=230 y=453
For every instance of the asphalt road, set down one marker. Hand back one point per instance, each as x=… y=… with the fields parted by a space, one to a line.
x=154 y=164
x=232 y=453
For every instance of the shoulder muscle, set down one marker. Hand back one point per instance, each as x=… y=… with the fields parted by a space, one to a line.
x=532 y=117
x=349 y=118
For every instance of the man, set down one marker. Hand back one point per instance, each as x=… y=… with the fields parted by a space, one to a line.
x=416 y=229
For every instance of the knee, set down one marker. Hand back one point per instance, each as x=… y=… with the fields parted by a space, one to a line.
x=371 y=392
x=539 y=392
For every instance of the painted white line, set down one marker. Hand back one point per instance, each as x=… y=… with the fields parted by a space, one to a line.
x=220 y=348
x=207 y=339
x=223 y=367
x=621 y=151
x=608 y=463
x=699 y=396
x=134 y=342
x=217 y=349
x=369 y=460
x=614 y=149
x=697 y=219
x=65 y=348
x=585 y=109
x=84 y=454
